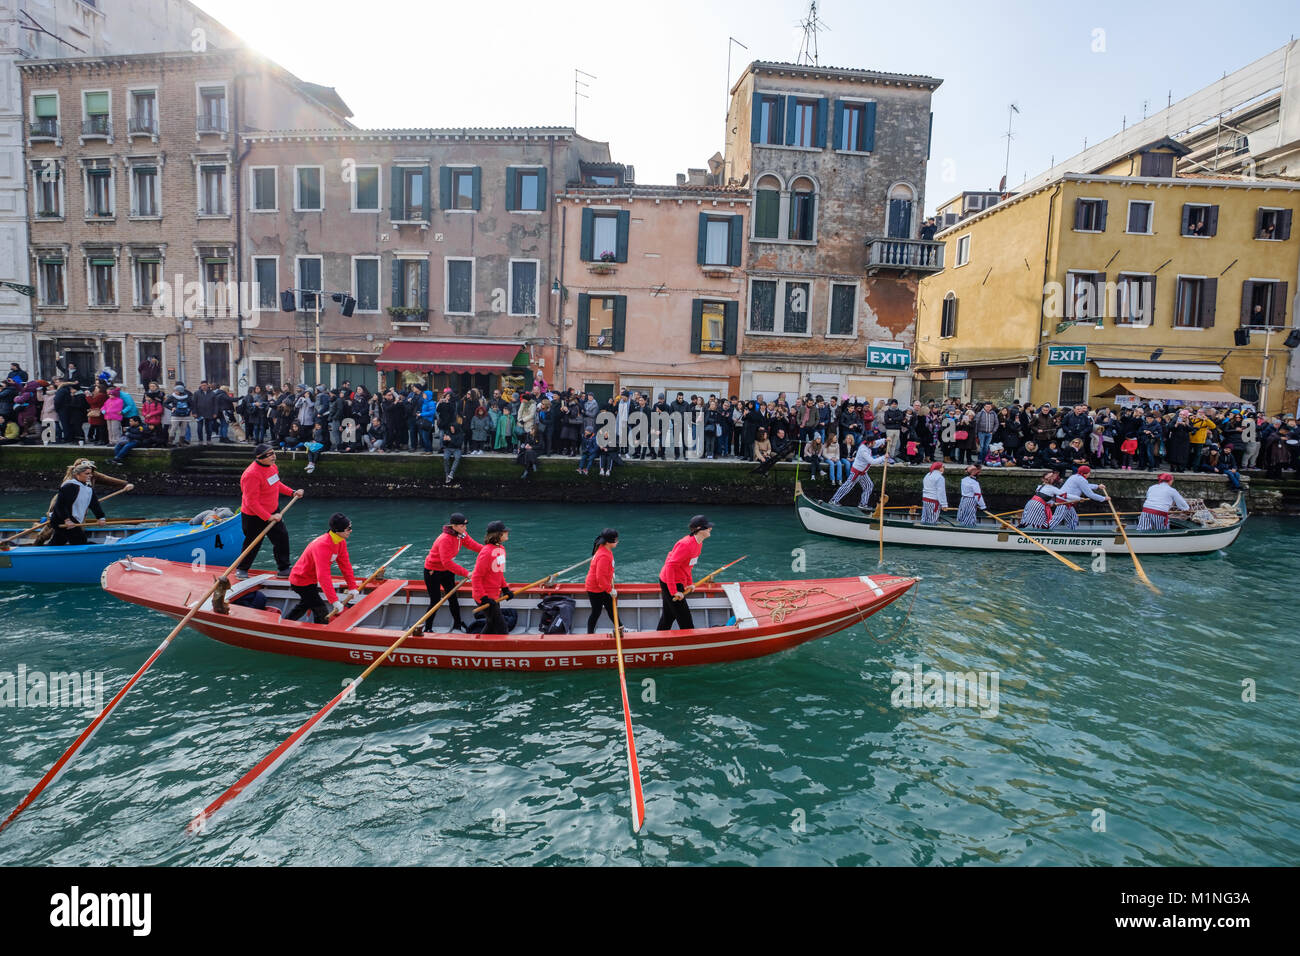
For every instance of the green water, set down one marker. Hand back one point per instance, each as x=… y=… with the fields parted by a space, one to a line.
x=1110 y=701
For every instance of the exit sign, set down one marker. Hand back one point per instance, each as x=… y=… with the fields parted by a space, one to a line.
x=888 y=356
x=1067 y=355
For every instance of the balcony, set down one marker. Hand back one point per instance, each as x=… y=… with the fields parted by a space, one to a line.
x=45 y=128
x=905 y=255
x=210 y=123
x=142 y=126
x=97 y=125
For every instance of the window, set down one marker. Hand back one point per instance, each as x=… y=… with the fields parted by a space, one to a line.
x=411 y=284
x=148 y=273
x=216 y=363
x=147 y=350
x=96 y=109
x=712 y=325
x=1090 y=215
x=102 y=287
x=144 y=191
x=309 y=282
x=212 y=191
x=1135 y=299
x=762 y=305
x=855 y=127
x=263 y=189
x=1074 y=389
x=779 y=306
x=99 y=192
x=797 y=295
x=1157 y=164
x=1249 y=391
x=144 y=113
x=1194 y=304
x=113 y=358
x=1085 y=296
x=948 y=322
x=963 y=250
x=49 y=191
x=50 y=276
x=719 y=240
x=266 y=278
x=802 y=220
x=523 y=286
x=1200 y=220
x=767 y=122
x=266 y=372
x=1273 y=224
x=410 y=194
x=525 y=189
x=365 y=190
x=600 y=323
x=460 y=286
x=604 y=235
x=1139 y=217
x=900 y=212
x=844 y=310
x=212 y=109
x=462 y=189
x=45 y=116
x=1263 y=303
x=307 y=195
x=365 y=282
x=805 y=123
x=767 y=208
x=220 y=296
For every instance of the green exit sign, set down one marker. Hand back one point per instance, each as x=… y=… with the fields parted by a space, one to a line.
x=890 y=357
x=1067 y=355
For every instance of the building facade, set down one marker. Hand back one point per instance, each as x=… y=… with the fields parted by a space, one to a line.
x=1117 y=289
x=836 y=161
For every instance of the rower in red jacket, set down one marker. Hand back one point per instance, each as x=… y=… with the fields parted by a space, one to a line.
x=488 y=583
x=313 y=569
x=260 y=487
x=600 y=577
x=675 y=577
x=441 y=569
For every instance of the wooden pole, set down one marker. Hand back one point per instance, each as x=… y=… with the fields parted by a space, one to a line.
x=1021 y=531
x=371 y=580
x=539 y=581
x=15 y=537
x=884 y=478
x=1128 y=544
x=709 y=577
x=633 y=769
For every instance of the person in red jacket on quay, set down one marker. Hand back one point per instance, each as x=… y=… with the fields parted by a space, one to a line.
x=441 y=569
x=488 y=582
x=675 y=577
x=311 y=574
x=260 y=488
x=600 y=577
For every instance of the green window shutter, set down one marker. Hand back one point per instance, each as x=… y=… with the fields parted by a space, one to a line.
x=96 y=103
x=396 y=194
x=424 y=285
x=837 y=137
x=1209 y=301
x=869 y=131
x=755 y=116
x=620 y=322
x=1212 y=222
x=477 y=188
x=445 y=199
x=767 y=211
x=703 y=240
x=624 y=221
x=398 y=300
x=47 y=107
x=428 y=192
x=737 y=235
x=584 y=245
x=584 y=320
x=1101 y=222
x=542 y=202
x=730 y=325
x=790 y=113
x=697 y=323
x=510 y=188
x=103 y=262
x=820 y=121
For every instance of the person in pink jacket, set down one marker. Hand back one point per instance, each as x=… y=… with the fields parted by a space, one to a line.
x=676 y=576
x=113 y=415
x=312 y=573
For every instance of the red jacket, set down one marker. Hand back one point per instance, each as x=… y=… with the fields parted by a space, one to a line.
x=314 y=565
x=676 y=572
x=489 y=573
x=442 y=556
x=600 y=576
x=261 y=488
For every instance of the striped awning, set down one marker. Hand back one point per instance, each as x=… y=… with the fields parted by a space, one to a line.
x=482 y=357
x=1179 y=371
x=1183 y=395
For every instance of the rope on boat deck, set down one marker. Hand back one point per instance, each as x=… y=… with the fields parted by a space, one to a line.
x=780 y=601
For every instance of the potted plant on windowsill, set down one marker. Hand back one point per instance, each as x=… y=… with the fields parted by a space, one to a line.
x=604 y=264
x=404 y=313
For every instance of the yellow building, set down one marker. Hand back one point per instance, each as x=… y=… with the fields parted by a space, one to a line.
x=1118 y=286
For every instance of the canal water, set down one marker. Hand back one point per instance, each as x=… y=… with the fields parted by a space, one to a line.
x=1115 y=726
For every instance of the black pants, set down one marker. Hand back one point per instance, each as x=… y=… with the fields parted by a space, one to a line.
x=309 y=599
x=438 y=583
x=674 y=611
x=600 y=601
x=278 y=534
x=495 y=622
x=64 y=535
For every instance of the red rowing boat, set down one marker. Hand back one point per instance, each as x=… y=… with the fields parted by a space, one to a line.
x=740 y=620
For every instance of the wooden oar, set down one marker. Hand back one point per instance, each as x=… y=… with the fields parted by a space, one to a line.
x=1021 y=531
x=282 y=752
x=15 y=537
x=61 y=764
x=633 y=770
x=884 y=499
x=709 y=577
x=1128 y=544
x=371 y=580
x=539 y=581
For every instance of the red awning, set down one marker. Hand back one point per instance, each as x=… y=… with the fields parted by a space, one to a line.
x=448 y=357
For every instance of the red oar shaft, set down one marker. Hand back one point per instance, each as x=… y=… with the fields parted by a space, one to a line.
x=633 y=768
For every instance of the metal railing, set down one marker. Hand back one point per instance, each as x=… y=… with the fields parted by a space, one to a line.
x=45 y=128
x=919 y=254
x=207 y=123
x=143 y=124
x=97 y=125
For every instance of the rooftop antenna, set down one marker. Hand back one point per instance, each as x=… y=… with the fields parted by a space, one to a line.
x=811 y=26
x=577 y=83
x=1011 y=111
x=730 y=41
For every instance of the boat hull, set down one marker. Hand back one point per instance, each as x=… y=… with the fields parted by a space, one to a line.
x=216 y=543
x=759 y=629
x=852 y=523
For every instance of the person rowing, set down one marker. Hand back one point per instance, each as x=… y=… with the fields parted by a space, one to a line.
x=1161 y=499
x=1037 y=513
x=441 y=569
x=311 y=575
x=1076 y=489
x=675 y=577
x=488 y=582
x=260 y=489
x=972 y=498
x=76 y=496
x=934 y=494
x=600 y=578
x=858 y=472
x=94 y=478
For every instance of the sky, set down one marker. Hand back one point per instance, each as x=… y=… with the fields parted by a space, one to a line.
x=659 y=96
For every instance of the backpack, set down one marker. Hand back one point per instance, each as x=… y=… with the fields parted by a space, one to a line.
x=557 y=614
x=508 y=614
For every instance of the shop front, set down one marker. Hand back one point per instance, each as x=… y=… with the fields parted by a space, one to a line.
x=456 y=364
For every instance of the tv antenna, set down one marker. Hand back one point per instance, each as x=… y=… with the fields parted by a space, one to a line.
x=811 y=27
x=577 y=83
x=1012 y=110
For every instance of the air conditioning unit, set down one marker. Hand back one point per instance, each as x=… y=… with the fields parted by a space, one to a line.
x=943 y=358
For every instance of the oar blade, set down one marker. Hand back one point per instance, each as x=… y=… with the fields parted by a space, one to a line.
x=633 y=768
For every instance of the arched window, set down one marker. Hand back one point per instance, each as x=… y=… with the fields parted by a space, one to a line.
x=948 y=324
x=767 y=208
x=900 y=211
x=802 y=209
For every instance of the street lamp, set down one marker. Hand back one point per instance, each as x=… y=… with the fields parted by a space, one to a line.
x=289 y=299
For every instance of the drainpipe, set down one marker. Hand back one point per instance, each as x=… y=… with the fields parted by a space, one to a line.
x=1042 y=314
x=237 y=199
x=561 y=349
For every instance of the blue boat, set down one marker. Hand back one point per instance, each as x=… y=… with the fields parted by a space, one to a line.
x=214 y=538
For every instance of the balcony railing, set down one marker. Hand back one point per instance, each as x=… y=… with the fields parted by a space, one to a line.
x=143 y=125
x=45 y=128
x=207 y=123
x=917 y=255
x=97 y=125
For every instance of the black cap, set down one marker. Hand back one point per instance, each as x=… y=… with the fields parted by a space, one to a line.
x=261 y=450
x=457 y=518
x=339 y=522
x=699 y=523
x=496 y=527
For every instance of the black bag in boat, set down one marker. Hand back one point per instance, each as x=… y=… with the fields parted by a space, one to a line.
x=508 y=614
x=557 y=614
